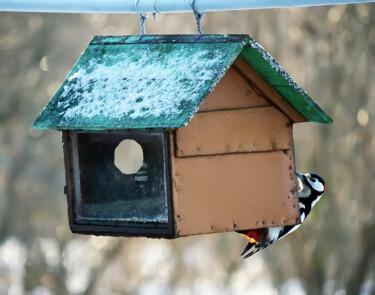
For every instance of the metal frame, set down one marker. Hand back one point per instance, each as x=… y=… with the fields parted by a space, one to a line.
x=130 y=229
x=155 y=6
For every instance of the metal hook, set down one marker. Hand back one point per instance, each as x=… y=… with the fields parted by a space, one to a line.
x=155 y=14
x=198 y=15
x=142 y=18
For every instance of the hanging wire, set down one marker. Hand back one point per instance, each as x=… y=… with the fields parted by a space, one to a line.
x=142 y=18
x=198 y=15
x=155 y=14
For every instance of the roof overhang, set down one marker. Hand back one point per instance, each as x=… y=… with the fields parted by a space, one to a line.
x=159 y=81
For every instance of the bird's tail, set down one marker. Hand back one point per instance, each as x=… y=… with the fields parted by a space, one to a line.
x=247 y=248
x=250 y=249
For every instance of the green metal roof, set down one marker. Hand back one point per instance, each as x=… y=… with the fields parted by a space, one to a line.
x=266 y=66
x=158 y=82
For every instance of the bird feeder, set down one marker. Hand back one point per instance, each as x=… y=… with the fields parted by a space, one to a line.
x=172 y=136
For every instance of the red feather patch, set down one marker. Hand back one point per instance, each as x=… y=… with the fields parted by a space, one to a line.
x=253 y=235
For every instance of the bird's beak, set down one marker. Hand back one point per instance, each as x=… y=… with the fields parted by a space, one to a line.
x=299 y=181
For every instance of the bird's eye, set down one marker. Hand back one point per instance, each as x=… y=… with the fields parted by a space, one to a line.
x=313 y=179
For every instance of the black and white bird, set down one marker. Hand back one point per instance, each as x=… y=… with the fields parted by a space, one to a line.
x=310 y=189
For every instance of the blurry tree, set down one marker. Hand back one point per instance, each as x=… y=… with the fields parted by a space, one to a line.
x=328 y=50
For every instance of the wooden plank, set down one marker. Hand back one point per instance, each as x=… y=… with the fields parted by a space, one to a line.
x=232 y=92
x=235 y=131
x=234 y=192
x=263 y=87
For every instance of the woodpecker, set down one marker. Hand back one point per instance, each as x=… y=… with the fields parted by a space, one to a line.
x=310 y=189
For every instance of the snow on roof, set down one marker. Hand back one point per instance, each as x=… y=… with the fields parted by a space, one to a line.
x=117 y=86
x=156 y=85
x=158 y=82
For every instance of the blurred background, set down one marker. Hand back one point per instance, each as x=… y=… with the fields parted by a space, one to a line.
x=329 y=51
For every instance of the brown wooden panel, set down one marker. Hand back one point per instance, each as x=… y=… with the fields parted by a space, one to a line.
x=232 y=92
x=241 y=130
x=268 y=92
x=234 y=192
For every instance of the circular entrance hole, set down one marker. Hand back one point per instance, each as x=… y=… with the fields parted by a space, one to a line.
x=129 y=156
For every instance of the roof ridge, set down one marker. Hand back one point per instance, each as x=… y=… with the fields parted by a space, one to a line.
x=182 y=38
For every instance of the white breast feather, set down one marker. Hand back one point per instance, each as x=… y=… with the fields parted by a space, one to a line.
x=273 y=232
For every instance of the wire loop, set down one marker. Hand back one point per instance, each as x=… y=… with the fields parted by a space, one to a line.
x=156 y=11
x=198 y=15
x=142 y=19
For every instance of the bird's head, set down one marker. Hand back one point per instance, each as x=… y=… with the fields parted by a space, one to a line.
x=316 y=182
x=310 y=183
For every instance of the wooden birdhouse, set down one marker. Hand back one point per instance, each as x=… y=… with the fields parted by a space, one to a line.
x=172 y=136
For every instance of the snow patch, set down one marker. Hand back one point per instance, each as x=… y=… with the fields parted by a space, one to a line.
x=139 y=84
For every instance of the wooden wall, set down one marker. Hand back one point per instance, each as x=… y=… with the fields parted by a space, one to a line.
x=233 y=165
